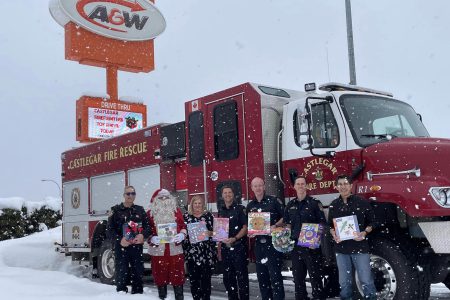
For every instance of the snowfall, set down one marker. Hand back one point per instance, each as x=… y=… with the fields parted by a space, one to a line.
x=30 y=268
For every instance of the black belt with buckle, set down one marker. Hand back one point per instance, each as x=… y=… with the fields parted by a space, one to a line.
x=262 y=240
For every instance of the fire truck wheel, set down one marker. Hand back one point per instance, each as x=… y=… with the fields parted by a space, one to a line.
x=106 y=263
x=396 y=276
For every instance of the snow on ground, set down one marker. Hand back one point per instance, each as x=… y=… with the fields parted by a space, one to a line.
x=31 y=269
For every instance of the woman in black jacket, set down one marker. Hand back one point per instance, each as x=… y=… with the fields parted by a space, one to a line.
x=199 y=249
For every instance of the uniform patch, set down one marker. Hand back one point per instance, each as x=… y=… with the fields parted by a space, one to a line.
x=320 y=205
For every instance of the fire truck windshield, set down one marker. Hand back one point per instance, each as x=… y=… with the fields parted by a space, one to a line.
x=373 y=119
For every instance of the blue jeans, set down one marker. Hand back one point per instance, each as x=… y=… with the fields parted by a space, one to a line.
x=361 y=262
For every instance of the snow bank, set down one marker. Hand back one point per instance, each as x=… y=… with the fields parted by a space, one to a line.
x=34 y=252
x=18 y=202
x=30 y=269
x=12 y=202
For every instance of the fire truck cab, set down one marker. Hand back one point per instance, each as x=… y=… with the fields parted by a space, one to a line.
x=232 y=136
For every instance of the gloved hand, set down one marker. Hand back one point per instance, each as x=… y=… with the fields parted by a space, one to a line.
x=155 y=240
x=179 y=237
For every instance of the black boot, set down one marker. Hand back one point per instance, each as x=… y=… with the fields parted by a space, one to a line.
x=178 y=289
x=162 y=292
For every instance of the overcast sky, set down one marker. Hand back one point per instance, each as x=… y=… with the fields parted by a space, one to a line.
x=400 y=46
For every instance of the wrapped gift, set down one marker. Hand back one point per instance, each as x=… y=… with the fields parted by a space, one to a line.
x=259 y=223
x=346 y=228
x=281 y=240
x=310 y=235
x=131 y=229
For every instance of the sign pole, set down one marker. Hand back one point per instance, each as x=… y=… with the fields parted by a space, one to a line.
x=111 y=83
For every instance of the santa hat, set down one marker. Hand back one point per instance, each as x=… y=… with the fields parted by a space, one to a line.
x=159 y=193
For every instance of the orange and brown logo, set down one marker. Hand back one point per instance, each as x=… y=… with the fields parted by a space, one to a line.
x=137 y=20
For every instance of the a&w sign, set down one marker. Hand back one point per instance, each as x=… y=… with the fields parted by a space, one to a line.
x=129 y=20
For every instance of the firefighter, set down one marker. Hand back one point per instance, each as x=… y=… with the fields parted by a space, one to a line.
x=268 y=260
x=305 y=209
x=128 y=227
x=353 y=252
x=234 y=249
x=167 y=258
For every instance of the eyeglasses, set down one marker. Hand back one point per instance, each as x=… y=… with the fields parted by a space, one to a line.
x=131 y=194
x=163 y=197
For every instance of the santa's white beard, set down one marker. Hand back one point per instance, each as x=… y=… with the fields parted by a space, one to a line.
x=163 y=211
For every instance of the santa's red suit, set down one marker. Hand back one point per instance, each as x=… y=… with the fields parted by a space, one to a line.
x=167 y=259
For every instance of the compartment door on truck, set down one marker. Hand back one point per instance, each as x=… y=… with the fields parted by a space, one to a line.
x=225 y=148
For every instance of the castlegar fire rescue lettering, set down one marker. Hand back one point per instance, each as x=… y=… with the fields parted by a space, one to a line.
x=109 y=155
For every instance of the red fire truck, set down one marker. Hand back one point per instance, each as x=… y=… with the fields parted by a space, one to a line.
x=254 y=130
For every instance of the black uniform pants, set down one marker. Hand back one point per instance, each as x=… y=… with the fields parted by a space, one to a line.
x=235 y=274
x=129 y=264
x=268 y=268
x=200 y=278
x=305 y=260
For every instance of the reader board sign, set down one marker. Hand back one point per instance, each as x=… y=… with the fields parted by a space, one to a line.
x=106 y=123
x=128 y=20
x=99 y=118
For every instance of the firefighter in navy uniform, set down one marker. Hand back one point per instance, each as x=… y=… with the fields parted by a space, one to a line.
x=305 y=209
x=234 y=249
x=128 y=227
x=268 y=260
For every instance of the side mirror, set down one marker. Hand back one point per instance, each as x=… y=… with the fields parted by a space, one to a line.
x=293 y=173
x=304 y=144
x=303 y=118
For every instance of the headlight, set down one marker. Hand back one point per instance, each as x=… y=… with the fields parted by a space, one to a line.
x=441 y=195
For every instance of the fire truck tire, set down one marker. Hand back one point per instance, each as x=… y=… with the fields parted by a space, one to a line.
x=397 y=275
x=447 y=281
x=106 y=263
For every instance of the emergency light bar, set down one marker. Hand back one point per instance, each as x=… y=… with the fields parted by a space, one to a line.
x=334 y=86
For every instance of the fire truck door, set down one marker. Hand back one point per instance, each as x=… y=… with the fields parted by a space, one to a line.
x=328 y=156
x=225 y=153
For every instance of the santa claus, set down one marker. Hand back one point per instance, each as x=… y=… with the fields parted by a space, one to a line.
x=166 y=251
